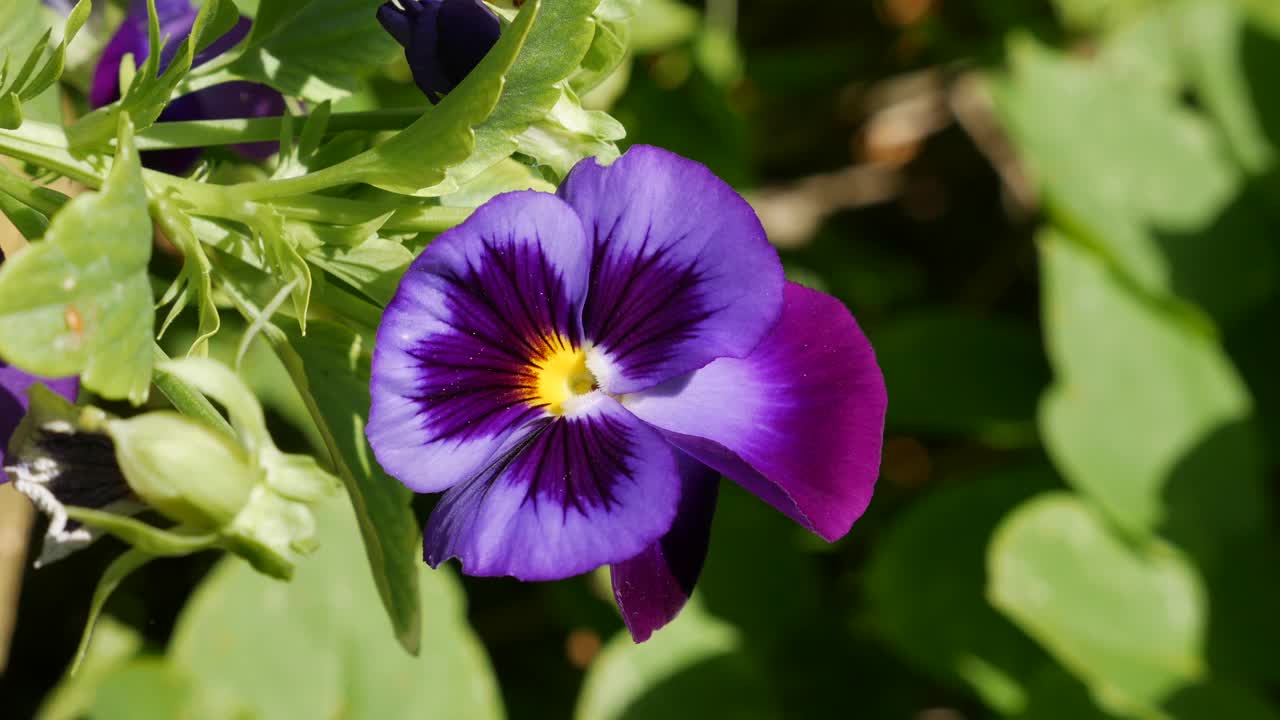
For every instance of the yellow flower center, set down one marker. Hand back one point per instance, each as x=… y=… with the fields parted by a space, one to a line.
x=562 y=375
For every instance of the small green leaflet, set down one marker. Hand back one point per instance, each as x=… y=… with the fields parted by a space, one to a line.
x=80 y=301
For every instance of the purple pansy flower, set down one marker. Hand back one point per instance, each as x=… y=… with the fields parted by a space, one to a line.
x=237 y=99
x=575 y=370
x=443 y=40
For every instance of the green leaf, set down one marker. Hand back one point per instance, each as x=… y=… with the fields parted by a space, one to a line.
x=926 y=596
x=609 y=46
x=535 y=85
x=331 y=369
x=80 y=301
x=1141 y=399
x=663 y=24
x=373 y=267
x=1099 y=14
x=114 y=644
x=1128 y=620
x=988 y=387
x=449 y=133
x=146 y=689
x=150 y=90
x=695 y=667
x=29 y=221
x=1149 y=182
x=328 y=653
x=317 y=50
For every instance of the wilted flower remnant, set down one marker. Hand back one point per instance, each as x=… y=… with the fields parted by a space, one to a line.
x=237 y=99
x=443 y=40
x=574 y=372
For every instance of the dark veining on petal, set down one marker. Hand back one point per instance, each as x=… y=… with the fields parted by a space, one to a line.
x=508 y=309
x=642 y=303
x=575 y=463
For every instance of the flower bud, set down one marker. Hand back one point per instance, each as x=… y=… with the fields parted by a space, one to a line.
x=184 y=469
x=443 y=40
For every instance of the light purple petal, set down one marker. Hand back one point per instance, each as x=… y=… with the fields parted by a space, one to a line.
x=453 y=362
x=682 y=272
x=568 y=495
x=652 y=587
x=799 y=422
x=14 y=400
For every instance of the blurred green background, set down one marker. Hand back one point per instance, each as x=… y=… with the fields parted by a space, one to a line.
x=1057 y=222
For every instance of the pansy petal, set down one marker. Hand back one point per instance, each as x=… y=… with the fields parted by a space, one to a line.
x=652 y=587
x=682 y=272
x=453 y=359
x=570 y=494
x=14 y=401
x=799 y=422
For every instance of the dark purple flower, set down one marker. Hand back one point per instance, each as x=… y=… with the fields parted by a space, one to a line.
x=14 y=403
x=443 y=40
x=575 y=370
x=239 y=99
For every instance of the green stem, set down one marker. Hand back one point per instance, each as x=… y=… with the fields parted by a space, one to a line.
x=53 y=157
x=186 y=399
x=203 y=133
x=36 y=197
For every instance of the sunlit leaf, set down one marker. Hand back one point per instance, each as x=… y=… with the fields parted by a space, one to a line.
x=318 y=647
x=1127 y=619
x=80 y=301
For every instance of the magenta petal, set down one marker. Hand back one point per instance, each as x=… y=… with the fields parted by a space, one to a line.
x=681 y=273
x=799 y=422
x=568 y=495
x=14 y=400
x=454 y=355
x=652 y=587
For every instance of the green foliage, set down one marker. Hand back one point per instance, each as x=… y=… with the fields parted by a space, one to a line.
x=328 y=648
x=697 y=666
x=314 y=49
x=150 y=89
x=331 y=368
x=79 y=301
x=20 y=20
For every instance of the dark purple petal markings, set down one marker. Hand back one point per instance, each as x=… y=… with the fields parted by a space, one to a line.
x=454 y=367
x=571 y=494
x=682 y=272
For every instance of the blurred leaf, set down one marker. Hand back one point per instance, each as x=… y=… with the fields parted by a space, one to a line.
x=80 y=301
x=316 y=50
x=331 y=369
x=663 y=24
x=988 y=385
x=1136 y=174
x=1128 y=620
x=1229 y=60
x=113 y=645
x=1099 y=14
x=148 y=689
x=925 y=584
x=318 y=648
x=1145 y=406
x=694 y=667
